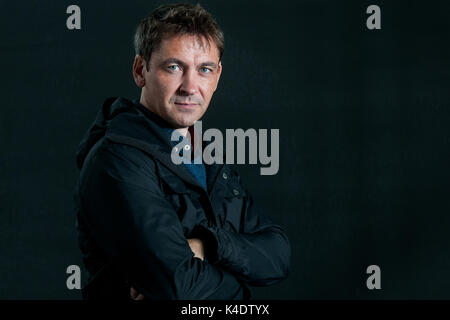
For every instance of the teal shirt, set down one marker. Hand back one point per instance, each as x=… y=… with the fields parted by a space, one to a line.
x=198 y=171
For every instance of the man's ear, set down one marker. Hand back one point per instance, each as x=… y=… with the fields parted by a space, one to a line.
x=138 y=71
x=219 y=72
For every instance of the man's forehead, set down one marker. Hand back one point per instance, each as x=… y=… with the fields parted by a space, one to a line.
x=187 y=45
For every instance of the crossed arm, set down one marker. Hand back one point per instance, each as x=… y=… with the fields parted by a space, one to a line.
x=137 y=228
x=197 y=248
x=130 y=218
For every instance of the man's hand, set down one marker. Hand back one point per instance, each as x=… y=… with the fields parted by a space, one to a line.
x=199 y=252
x=197 y=247
x=136 y=295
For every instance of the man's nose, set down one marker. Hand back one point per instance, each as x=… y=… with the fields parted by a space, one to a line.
x=189 y=84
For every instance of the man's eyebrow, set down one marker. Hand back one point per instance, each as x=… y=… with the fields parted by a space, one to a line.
x=173 y=60
x=209 y=64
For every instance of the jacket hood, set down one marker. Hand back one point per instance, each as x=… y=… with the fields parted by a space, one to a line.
x=129 y=119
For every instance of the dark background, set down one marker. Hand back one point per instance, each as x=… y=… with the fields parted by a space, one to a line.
x=364 y=134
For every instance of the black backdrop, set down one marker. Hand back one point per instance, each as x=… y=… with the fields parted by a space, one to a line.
x=364 y=131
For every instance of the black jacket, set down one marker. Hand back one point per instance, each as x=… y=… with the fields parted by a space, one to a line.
x=136 y=208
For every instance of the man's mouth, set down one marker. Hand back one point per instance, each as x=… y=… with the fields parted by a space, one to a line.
x=186 y=105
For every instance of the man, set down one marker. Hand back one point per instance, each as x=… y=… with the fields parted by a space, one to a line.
x=149 y=228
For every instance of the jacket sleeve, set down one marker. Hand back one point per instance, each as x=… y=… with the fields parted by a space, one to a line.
x=131 y=220
x=259 y=254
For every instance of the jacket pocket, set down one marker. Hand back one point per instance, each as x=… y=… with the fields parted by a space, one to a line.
x=233 y=205
x=235 y=190
x=183 y=200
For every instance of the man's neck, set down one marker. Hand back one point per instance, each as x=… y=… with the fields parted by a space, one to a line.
x=182 y=131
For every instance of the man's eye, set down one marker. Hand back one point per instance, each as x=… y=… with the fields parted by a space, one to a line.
x=205 y=70
x=173 y=67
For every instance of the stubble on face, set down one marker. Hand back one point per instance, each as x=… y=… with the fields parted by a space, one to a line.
x=182 y=77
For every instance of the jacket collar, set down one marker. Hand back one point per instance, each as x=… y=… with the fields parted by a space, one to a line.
x=131 y=123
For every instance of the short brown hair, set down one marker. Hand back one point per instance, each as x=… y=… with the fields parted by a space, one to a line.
x=174 y=19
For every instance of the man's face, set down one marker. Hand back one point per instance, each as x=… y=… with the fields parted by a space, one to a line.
x=182 y=77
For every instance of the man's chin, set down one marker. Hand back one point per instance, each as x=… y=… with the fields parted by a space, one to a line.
x=186 y=121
